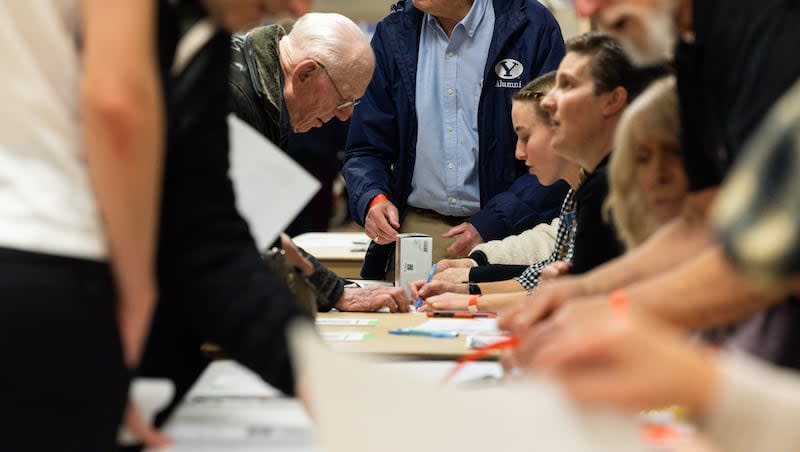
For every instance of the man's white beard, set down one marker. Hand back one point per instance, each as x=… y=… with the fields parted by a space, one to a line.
x=656 y=40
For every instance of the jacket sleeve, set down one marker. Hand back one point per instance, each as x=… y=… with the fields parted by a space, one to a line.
x=372 y=139
x=531 y=246
x=495 y=272
x=525 y=204
x=329 y=285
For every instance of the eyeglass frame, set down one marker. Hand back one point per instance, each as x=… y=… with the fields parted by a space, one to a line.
x=347 y=103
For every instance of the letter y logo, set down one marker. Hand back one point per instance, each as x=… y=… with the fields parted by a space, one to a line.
x=508 y=69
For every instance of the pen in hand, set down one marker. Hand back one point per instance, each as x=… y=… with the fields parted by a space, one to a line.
x=431 y=272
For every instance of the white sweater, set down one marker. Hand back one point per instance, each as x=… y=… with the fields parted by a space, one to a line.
x=534 y=245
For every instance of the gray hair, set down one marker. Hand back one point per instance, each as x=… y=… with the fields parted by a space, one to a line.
x=336 y=42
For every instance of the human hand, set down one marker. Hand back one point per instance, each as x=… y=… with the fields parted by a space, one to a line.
x=295 y=257
x=541 y=304
x=148 y=435
x=428 y=289
x=623 y=359
x=382 y=223
x=447 y=264
x=446 y=302
x=470 y=237
x=453 y=275
x=369 y=299
x=554 y=270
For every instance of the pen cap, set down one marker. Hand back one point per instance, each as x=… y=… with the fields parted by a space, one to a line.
x=412 y=258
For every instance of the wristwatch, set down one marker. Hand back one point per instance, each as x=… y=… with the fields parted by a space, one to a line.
x=474 y=288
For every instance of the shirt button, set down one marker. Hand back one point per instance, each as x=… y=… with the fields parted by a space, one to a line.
x=449 y=128
x=450 y=91
x=450 y=165
x=453 y=201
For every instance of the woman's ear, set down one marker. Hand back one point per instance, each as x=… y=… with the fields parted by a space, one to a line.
x=616 y=100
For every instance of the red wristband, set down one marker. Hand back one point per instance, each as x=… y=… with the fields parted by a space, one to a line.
x=377 y=199
x=472 y=306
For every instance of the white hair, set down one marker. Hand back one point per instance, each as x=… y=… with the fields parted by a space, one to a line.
x=336 y=42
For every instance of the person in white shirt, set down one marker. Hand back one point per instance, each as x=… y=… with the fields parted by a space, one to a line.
x=80 y=151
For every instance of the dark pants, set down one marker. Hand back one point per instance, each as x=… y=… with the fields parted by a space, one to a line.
x=63 y=380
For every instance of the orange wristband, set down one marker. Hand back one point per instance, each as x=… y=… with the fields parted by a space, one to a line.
x=472 y=306
x=618 y=300
x=377 y=199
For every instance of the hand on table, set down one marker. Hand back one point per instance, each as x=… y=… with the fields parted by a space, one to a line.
x=469 y=238
x=446 y=302
x=554 y=270
x=464 y=262
x=369 y=299
x=547 y=299
x=428 y=289
x=382 y=223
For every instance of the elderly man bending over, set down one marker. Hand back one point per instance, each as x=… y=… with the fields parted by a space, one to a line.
x=283 y=83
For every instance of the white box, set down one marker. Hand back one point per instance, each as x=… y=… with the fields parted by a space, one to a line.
x=412 y=258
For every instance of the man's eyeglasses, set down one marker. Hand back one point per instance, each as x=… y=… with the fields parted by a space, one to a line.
x=346 y=104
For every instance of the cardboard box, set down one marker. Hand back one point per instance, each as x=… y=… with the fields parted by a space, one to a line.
x=412 y=259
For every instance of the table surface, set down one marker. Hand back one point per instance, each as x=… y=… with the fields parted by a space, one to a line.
x=406 y=347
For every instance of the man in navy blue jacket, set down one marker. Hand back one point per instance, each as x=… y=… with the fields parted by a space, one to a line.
x=451 y=66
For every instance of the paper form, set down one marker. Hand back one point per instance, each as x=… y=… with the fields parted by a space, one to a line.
x=346 y=337
x=271 y=189
x=462 y=326
x=346 y=322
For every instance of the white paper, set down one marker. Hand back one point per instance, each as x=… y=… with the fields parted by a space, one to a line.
x=353 y=401
x=332 y=240
x=474 y=327
x=346 y=322
x=271 y=189
x=344 y=337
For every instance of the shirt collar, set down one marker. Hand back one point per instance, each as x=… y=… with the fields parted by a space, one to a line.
x=470 y=22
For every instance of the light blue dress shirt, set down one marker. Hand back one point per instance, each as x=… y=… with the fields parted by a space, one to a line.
x=449 y=82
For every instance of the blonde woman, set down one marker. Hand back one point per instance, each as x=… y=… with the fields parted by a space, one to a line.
x=647 y=181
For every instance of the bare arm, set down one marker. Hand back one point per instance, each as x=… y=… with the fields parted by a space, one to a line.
x=123 y=134
x=497 y=287
x=675 y=242
x=704 y=292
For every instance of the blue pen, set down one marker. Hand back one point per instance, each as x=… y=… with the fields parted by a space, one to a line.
x=426 y=333
x=431 y=272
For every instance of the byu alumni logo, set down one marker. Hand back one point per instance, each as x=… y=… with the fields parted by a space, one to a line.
x=508 y=69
